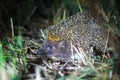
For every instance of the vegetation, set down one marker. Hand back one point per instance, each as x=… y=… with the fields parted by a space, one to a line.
x=20 y=39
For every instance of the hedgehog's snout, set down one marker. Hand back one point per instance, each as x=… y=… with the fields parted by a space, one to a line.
x=41 y=51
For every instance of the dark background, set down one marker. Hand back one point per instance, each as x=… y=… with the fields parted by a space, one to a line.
x=42 y=13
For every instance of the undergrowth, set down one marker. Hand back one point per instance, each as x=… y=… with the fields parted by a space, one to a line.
x=12 y=55
x=14 y=64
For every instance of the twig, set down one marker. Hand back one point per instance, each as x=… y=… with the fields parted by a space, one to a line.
x=29 y=16
x=3 y=7
x=80 y=55
x=72 y=50
x=43 y=34
x=50 y=67
x=64 y=14
x=37 y=73
x=103 y=56
x=21 y=4
x=80 y=8
x=12 y=28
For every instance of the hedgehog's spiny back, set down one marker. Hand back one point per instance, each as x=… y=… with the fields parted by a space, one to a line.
x=82 y=30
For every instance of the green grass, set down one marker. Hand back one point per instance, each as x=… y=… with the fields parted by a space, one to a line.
x=11 y=56
x=1 y=55
x=12 y=53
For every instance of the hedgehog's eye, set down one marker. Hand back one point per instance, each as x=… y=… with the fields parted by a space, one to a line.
x=50 y=47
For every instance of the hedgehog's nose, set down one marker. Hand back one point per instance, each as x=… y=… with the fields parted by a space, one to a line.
x=41 y=52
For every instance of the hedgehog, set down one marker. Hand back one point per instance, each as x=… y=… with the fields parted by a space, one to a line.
x=81 y=30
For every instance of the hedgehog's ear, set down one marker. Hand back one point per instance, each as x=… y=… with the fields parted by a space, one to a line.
x=62 y=44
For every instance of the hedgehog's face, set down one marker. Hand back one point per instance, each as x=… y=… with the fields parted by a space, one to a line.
x=56 y=49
